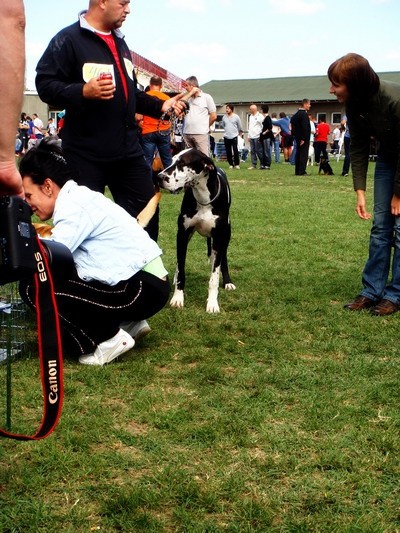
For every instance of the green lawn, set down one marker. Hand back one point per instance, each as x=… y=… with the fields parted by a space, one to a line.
x=280 y=414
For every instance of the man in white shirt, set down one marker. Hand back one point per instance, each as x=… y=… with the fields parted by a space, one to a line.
x=202 y=115
x=37 y=126
x=335 y=140
x=255 y=128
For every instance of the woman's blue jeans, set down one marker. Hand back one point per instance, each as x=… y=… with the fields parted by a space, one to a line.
x=385 y=235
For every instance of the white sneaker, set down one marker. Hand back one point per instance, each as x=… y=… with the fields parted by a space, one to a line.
x=230 y=166
x=251 y=168
x=237 y=166
x=137 y=330
x=108 y=350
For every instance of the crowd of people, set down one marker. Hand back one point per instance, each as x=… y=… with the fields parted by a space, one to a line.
x=270 y=136
x=118 y=279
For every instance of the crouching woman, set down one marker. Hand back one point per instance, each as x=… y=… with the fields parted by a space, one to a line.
x=117 y=279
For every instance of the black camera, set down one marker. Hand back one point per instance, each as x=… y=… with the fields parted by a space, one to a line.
x=17 y=236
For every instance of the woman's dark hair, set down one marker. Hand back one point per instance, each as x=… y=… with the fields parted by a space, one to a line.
x=356 y=73
x=231 y=106
x=46 y=160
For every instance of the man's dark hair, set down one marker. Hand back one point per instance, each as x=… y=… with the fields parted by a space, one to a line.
x=193 y=81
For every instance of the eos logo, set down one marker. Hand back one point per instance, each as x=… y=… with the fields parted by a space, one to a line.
x=40 y=266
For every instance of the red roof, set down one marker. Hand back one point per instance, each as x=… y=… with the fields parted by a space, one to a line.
x=174 y=82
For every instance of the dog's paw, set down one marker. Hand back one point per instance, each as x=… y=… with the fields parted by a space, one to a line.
x=230 y=287
x=212 y=306
x=177 y=299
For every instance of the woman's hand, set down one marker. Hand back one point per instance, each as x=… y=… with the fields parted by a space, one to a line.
x=361 y=208
x=395 y=206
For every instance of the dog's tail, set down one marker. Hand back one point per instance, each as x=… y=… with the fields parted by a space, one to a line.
x=148 y=212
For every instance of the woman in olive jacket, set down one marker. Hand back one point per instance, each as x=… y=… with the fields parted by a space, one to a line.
x=373 y=112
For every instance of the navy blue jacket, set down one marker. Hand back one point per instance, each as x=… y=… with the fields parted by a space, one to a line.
x=97 y=129
x=301 y=127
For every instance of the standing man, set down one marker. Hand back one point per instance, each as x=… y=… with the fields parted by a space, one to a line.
x=37 y=126
x=155 y=132
x=321 y=139
x=346 y=143
x=256 y=120
x=232 y=126
x=266 y=138
x=51 y=127
x=301 y=131
x=12 y=67
x=87 y=70
x=202 y=115
x=276 y=130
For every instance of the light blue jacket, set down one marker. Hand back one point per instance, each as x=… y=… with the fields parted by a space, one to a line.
x=107 y=244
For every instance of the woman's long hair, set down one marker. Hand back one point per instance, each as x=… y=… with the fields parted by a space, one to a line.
x=46 y=160
x=356 y=73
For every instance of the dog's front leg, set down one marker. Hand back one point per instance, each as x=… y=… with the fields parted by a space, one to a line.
x=182 y=240
x=213 y=284
x=178 y=298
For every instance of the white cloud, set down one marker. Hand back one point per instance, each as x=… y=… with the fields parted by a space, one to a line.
x=193 y=59
x=198 y=6
x=33 y=52
x=297 y=7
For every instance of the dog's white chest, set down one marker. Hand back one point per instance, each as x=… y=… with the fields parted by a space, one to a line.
x=203 y=221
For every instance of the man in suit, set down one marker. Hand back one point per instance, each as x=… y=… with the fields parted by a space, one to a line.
x=301 y=131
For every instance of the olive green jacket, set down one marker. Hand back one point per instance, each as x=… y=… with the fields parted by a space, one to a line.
x=381 y=120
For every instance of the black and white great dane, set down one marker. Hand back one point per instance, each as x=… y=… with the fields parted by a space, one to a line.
x=205 y=209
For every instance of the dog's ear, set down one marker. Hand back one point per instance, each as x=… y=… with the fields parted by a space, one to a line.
x=208 y=163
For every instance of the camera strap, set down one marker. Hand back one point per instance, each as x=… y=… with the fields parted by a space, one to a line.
x=49 y=346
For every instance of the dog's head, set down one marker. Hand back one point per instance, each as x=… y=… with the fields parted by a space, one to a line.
x=186 y=170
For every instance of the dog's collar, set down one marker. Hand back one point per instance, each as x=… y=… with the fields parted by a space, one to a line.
x=216 y=195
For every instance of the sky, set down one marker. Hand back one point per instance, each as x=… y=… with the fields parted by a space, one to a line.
x=238 y=39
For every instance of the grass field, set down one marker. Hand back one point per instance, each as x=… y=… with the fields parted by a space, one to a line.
x=280 y=414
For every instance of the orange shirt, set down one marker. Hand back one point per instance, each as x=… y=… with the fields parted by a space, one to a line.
x=151 y=125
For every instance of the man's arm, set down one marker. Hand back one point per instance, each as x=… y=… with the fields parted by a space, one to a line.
x=12 y=68
x=212 y=118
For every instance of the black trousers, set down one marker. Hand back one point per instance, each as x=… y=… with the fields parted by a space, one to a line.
x=346 y=162
x=129 y=180
x=232 y=152
x=301 y=157
x=91 y=312
x=320 y=150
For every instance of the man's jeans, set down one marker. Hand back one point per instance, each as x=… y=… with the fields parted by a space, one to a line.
x=267 y=152
x=256 y=150
x=385 y=233
x=157 y=141
x=277 y=149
